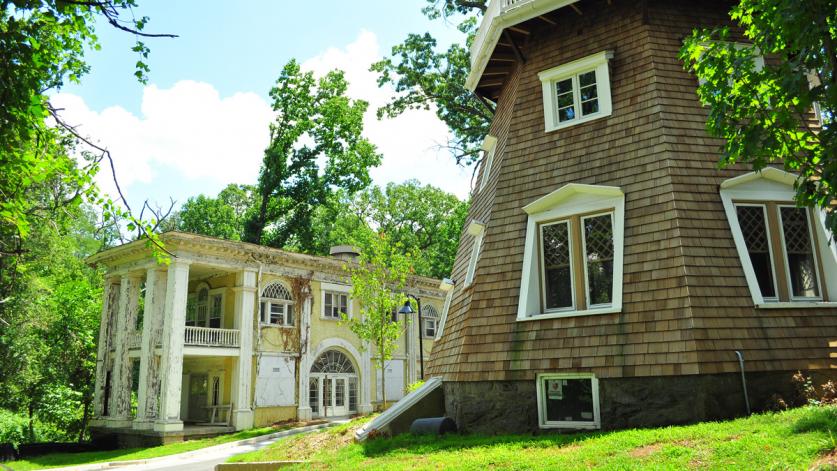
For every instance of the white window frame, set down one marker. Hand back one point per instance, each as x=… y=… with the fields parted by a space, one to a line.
x=434 y=319
x=440 y=327
x=772 y=184
x=213 y=293
x=549 y=78
x=264 y=317
x=763 y=206
x=541 y=397
x=787 y=260
x=542 y=263
x=335 y=288
x=583 y=241
x=489 y=146
x=477 y=230
x=570 y=200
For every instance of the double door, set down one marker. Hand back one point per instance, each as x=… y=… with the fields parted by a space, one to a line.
x=330 y=395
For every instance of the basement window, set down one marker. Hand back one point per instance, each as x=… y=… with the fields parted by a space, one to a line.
x=569 y=401
x=577 y=92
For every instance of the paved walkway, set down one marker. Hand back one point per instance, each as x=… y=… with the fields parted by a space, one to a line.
x=204 y=459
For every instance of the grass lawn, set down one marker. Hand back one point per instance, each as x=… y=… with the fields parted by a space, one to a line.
x=794 y=439
x=55 y=460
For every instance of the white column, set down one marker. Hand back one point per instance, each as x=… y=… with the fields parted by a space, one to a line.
x=110 y=304
x=120 y=394
x=303 y=411
x=152 y=323
x=245 y=303
x=171 y=362
x=365 y=405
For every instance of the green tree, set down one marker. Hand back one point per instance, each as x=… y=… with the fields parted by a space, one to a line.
x=42 y=44
x=424 y=220
x=221 y=217
x=378 y=284
x=424 y=78
x=765 y=114
x=316 y=146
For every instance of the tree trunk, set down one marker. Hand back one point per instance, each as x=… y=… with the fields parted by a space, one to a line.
x=84 y=417
x=31 y=421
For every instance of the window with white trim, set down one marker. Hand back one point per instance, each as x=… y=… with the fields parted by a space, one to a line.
x=476 y=230
x=577 y=92
x=445 y=309
x=489 y=146
x=572 y=261
x=205 y=307
x=784 y=249
x=568 y=400
x=429 y=321
x=276 y=305
x=335 y=305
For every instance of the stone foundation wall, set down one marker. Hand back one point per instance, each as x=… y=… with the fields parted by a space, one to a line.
x=511 y=406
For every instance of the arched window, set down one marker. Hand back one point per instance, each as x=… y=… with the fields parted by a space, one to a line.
x=196 y=314
x=430 y=320
x=277 y=305
x=333 y=361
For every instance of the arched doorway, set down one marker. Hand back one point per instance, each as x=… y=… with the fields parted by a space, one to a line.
x=332 y=385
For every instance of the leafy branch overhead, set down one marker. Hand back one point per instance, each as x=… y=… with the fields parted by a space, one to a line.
x=424 y=78
x=769 y=114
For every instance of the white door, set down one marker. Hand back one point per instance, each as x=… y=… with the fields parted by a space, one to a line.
x=331 y=396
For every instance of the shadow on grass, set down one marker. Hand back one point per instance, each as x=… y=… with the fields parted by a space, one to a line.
x=816 y=419
x=429 y=444
x=70 y=459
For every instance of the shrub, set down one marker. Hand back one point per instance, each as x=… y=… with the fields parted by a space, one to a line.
x=14 y=428
x=412 y=387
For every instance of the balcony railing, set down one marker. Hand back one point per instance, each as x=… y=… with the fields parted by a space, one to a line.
x=208 y=337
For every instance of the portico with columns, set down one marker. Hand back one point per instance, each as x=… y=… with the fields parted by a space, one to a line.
x=227 y=336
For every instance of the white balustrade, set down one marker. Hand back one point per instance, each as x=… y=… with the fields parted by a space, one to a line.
x=209 y=337
x=495 y=8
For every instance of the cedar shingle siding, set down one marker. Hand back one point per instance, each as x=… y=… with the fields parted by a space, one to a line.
x=686 y=304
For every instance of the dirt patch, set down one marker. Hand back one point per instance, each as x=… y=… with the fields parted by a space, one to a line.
x=826 y=462
x=303 y=447
x=646 y=450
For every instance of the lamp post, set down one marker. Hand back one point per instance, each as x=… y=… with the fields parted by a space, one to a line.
x=407 y=309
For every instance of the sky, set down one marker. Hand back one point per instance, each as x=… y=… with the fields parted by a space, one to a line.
x=202 y=120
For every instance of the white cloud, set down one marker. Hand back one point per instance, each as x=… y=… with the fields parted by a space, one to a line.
x=410 y=142
x=189 y=133
x=187 y=128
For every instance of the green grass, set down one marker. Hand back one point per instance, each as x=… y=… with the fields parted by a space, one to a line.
x=55 y=460
x=793 y=439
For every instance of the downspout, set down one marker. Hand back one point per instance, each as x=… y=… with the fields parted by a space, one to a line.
x=743 y=379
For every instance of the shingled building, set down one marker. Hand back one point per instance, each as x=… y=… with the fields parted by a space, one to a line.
x=609 y=271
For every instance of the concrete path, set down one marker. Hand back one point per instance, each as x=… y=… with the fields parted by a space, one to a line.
x=203 y=459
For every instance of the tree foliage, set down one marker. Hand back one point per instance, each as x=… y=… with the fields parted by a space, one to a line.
x=378 y=285
x=221 y=217
x=425 y=78
x=765 y=115
x=423 y=220
x=316 y=145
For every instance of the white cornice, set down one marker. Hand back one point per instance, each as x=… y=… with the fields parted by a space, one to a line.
x=553 y=199
x=499 y=15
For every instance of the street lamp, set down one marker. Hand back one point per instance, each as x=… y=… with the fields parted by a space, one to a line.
x=407 y=310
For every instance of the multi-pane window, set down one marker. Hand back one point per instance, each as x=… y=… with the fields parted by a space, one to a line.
x=216 y=309
x=577 y=256
x=577 y=96
x=335 y=305
x=780 y=243
x=576 y=92
x=568 y=401
x=205 y=308
x=429 y=319
x=277 y=306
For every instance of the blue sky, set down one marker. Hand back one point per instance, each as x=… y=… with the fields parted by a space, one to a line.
x=201 y=122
